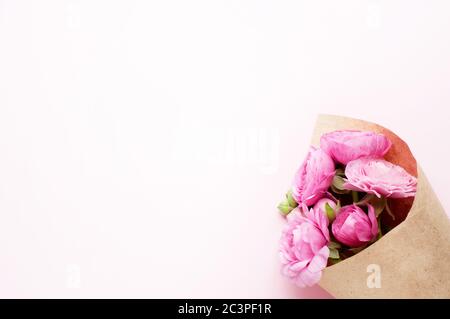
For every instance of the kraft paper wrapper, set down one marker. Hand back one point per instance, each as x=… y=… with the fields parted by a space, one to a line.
x=414 y=257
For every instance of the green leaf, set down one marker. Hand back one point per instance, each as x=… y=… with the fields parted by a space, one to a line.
x=340 y=192
x=291 y=200
x=330 y=212
x=334 y=254
x=338 y=182
x=285 y=208
x=340 y=172
x=379 y=204
x=334 y=245
x=333 y=262
x=357 y=250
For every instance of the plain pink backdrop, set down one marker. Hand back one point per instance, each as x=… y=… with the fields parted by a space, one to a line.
x=144 y=145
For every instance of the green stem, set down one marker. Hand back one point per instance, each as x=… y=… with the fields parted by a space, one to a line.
x=333 y=262
x=380 y=234
x=355 y=197
x=388 y=209
x=365 y=200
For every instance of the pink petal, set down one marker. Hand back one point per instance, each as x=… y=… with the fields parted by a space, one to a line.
x=307 y=278
x=320 y=260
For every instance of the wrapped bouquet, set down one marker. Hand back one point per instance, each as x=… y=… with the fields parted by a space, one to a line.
x=362 y=220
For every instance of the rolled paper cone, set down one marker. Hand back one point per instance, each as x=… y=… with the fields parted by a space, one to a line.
x=410 y=261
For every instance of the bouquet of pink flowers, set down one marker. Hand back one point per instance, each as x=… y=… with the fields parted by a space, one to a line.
x=352 y=189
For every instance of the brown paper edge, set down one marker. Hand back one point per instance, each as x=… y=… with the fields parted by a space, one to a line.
x=414 y=258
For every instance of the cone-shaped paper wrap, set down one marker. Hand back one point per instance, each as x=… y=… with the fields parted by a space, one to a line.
x=413 y=259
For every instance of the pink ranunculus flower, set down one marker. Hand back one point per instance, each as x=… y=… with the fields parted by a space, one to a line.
x=313 y=178
x=379 y=177
x=346 y=146
x=303 y=248
x=353 y=227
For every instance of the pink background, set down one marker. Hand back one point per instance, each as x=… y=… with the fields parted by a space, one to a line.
x=144 y=145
